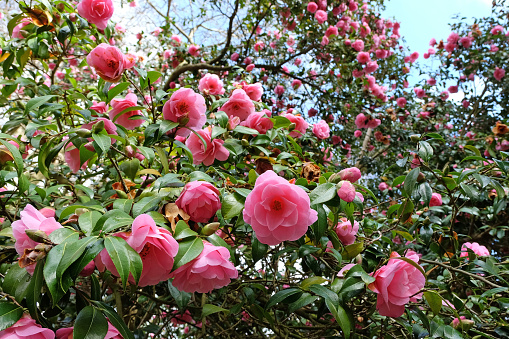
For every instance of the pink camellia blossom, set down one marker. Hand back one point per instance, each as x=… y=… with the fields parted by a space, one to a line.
x=211 y=84
x=194 y=50
x=371 y=67
x=419 y=92
x=351 y=174
x=199 y=199
x=108 y=61
x=346 y=190
x=357 y=133
x=259 y=121
x=346 y=233
x=156 y=247
x=239 y=105
x=431 y=82
x=444 y=95
x=499 y=73
x=277 y=210
x=497 y=30
x=99 y=107
x=345 y=270
x=235 y=56
x=109 y=127
x=67 y=333
x=321 y=129
x=72 y=158
x=453 y=89
x=332 y=30
x=401 y=102
x=296 y=83
x=479 y=250
x=187 y=108
x=436 y=200
x=253 y=91
x=279 y=90
x=250 y=67
x=26 y=327
x=363 y=57
x=301 y=125
x=16 y=32
x=211 y=270
x=31 y=219
x=358 y=45
x=321 y=16
x=214 y=149
x=312 y=7
x=97 y=12
x=383 y=186
x=363 y=121
x=119 y=105
x=396 y=284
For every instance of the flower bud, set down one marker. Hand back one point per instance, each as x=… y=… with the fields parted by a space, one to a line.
x=244 y=142
x=98 y=127
x=415 y=137
x=421 y=177
x=292 y=126
x=346 y=190
x=335 y=178
x=462 y=323
x=121 y=194
x=73 y=17
x=210 y=229
x=84 y=133
x=38 y=236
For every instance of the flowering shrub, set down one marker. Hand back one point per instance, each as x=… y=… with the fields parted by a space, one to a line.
x=279 y=177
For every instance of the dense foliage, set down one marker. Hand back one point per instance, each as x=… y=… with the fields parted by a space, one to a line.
x=254 y=169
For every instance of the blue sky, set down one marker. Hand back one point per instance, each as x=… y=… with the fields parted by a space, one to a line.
x=422 y=20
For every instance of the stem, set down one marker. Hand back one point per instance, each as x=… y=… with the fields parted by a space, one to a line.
x=124 y=186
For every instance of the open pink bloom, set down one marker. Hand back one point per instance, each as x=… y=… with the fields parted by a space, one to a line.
x=396 y=285
x=26 y=327
x=194 y=50
x=66 y=333
x=436 y=200
x=312 y=7
x=383 y=186
x=346 y=233
x=187 y=108
x=131 y=100
x=97 y=12
x=215 y=148
x=99 y=107
x=363 y=57
x=277 y=210
x=108 y=61
x=480 y=250
x=72 y=158
x=321 y=16
x=259 y=121
x=31 y=219
x=156 y=247
x=239 y=105
x=401 y=102
x=346 y=191
x=212 y=269
x=497 y=30
x=108 y=126
x=16 y=32
x=253 y=91
x=211 y=84
x=499 y=73
x=358 y=45
x=300 y=125
x=321 y=130
x=199 y=199
x=453 y=89
x=363 y=121
x=351 y=174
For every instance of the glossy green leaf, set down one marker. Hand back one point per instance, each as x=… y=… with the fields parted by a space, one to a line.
x=189 y=249
x=10 y=313
x=90 y=324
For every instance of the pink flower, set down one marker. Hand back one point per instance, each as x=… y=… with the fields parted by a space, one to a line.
x=383 y=186
x=187 y=108
x=363 y=57
x=211 y=84
x=210 y=270
x=279 y=90
x=312 y=7
x=214 y=150
x=479 y=250
x=26 y=327
x=321 y=130
x=453 y=89
x=194 y=50
x=397 y=284
x=277 y=210
x=109 y=126
x=156 y=247
x=259 y=121
x=97 y=12
x=296 y=83
x=321 y=16
x=253 y=91
x=431 y=82
x=351 y=174
x=345 y=270
x=99 y=107
x=419 y=92
x=332 y=30
x=346 y=233
x=239 y=105
x=497 y=30
x=346 y=191
x=362 y=121
x=235 y=56
x=358 y=45
x=499 y=73
x=108 y=61
x=436 y=200
x=357 y=133
x=300 y=125
x=200 y=200
x=401 y=102
x=72 y=158
x=16 y=32
x=119 y=105
x=250 y=67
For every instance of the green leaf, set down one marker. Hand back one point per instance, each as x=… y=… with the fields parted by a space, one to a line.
x=325 y=293
x=473 y=149
x=88 y=255
x=119 y=88
x=231 y=207
x=183 y=231
x=114 y=319
x=88 y=220
x=351 y=251
x=71 y=209
x=124 y=257
x=245 y=130
x=323 y=193
x=9 y=314
x=209 y=309
x=280 y=121
x=181 y=298
x=434 y=301
x=16 y=282
x=103 y=141
x=74 y=250
x=145 y=204
x=320 y=226
x=216 y=130
x=435 y=136
x=35 y=103
x=189 y=249
x=280 y=296
x=308 y=282
x=258 y=249
x=425 y=150
x=167 y=125
x=16 y=155
x=90 y=324
x=410 y=181
x=199 y=175
x=34 y=290
x=130 y=168
x=341 y=317
x=304 y=300
x=406 y=210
